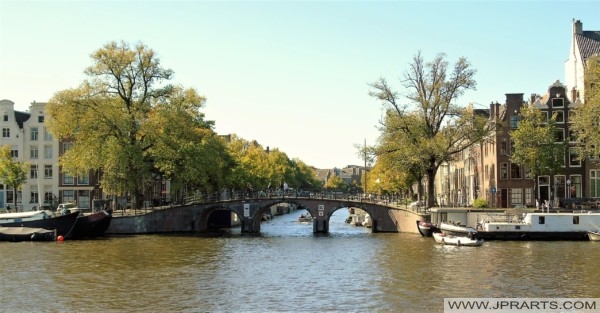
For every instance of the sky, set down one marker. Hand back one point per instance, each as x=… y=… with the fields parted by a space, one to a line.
x=293 y=75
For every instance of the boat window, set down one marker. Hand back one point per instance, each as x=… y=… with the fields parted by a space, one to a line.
x=576 y=219
x=542 y=220
x=518 y=227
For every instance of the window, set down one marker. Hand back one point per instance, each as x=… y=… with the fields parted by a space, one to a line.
x=504 y=171
x=558 y=103
x=503 y=147
x=40 y=119
x=560 y=183
x=576 y=191
x=83 y=179
x=516 y=196
x=34 y=197
x=68 y=179
x=515 y=171
x=6 y=117
x=34 y=134
x=541 y=220
x=33 y=173
x=14 y=153
x=559 y=117
x=514 y=121
x=559 y=135
x=47 y=135
x=574 y=160
x=5 y=132
x=573 y=136
x=576 y=219
x=33 y=152
x=47 y=171
x=68 y=196
x=486 y=172
x=67 y=146
x=571 y=115
x=512 y=147
x=546 y=117
x=595 y=183
x=529 y=195
x=48 y=152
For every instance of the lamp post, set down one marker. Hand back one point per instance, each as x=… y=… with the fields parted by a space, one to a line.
x=552 y=204
x=568 y=188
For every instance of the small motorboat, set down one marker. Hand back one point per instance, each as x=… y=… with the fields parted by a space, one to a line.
x=456 y=229
x=305 y=218
x=470 y=241
x=594 y=235
x=25 y=234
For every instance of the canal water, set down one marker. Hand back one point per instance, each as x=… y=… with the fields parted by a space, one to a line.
x=286 y=268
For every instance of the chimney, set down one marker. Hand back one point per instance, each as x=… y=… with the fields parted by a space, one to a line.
x=533 y=97
x=577 y=27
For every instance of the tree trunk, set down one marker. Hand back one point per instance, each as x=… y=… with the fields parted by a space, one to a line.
x=431 y=171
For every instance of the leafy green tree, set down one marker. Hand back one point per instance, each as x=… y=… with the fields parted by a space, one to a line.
x=534 y=143
x=12 y=173
x=430 y=129
x=336 y=183
x=586 y=124
x=128 y=122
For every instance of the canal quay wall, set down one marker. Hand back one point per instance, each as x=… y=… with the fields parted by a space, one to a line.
x=194 y=219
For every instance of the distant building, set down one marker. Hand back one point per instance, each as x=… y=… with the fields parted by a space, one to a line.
x=584 y=44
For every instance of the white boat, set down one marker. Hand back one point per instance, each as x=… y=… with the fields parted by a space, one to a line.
x=367 y=221
x=456 y=230
x=471 y=241
x=594 y=235
x=541 y=226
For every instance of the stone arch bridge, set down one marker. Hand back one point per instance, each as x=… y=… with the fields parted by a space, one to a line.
x=194 y=217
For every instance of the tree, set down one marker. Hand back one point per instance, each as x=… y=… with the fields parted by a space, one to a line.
x=534 y=143
x=586 y=124
x=128 y=123
x=336 y=183
x=430 y=129
x=12 y=173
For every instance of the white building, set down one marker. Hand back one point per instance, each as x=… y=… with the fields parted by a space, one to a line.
x=584 y=44
x=30 y=143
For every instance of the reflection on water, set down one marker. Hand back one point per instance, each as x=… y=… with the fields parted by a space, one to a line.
x=286 y=268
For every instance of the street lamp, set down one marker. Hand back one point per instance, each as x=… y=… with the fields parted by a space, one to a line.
x=568 y=188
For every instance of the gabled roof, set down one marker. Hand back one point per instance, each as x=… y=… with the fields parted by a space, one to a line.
x=589 y=43
x=21 y=117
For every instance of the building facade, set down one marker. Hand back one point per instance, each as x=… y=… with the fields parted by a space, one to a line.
x=31 y=143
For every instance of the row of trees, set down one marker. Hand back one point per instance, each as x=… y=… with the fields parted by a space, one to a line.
x=423 y=128
x=127 y=122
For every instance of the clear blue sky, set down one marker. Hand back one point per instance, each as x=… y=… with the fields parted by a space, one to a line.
x=293 y=75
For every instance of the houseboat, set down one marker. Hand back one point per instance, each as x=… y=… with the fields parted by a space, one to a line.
x=540 y=226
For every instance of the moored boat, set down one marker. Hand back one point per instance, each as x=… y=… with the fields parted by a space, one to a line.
x=426 y=229
x=25 y=234
x=456 y=230
x=470 y=240
x=594 y=235
x=90 y=225
x=541 y=226
x=62 y=223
